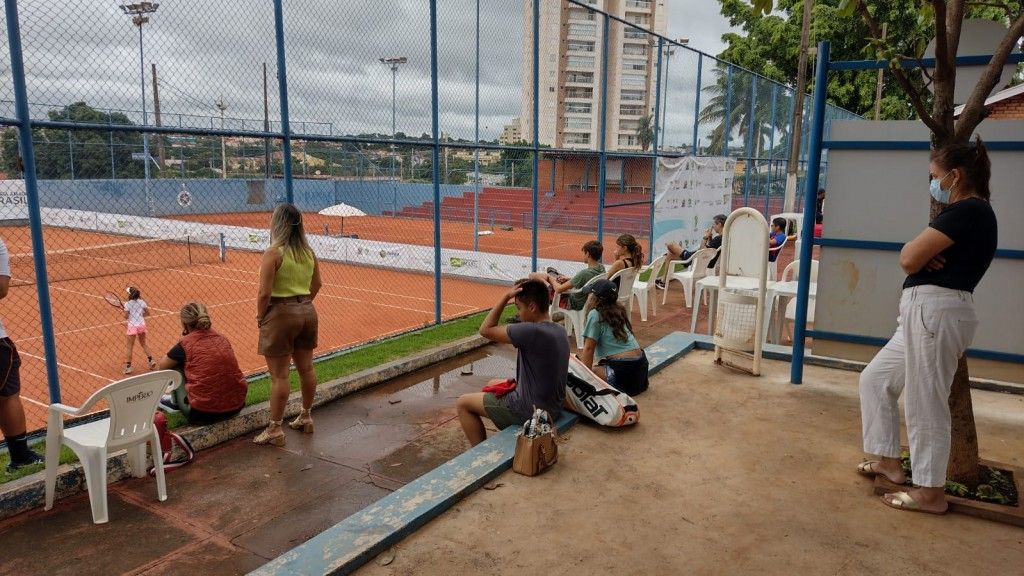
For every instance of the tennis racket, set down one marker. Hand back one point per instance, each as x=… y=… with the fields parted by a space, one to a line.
x=113 y=300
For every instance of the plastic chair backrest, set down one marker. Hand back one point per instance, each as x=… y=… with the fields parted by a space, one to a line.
x=132 y=403
x=746 y=240
x=652 y=270
x=785 y=239
x=792 y=271
x=626 y=277
x=701 y=259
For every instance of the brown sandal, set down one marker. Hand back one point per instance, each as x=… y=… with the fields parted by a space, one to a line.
x=268 y=437
x=303 y=421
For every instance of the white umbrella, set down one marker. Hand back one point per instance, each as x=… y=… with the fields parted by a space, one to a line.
x=342 y=210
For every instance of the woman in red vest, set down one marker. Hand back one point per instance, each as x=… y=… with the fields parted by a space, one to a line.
x=214 y=385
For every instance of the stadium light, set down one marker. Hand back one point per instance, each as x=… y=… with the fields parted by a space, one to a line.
x=139 y=13
x=393 y=63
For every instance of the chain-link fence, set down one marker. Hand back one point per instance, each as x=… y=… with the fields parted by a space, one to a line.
x=429 y=170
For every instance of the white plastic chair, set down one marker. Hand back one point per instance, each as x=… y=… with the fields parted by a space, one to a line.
x=773 y=265
x=132 y=404
x=575 y=318
x=792 y=273
x=698 y=268
x=737 y=316
x=626 y=278
x=644 y=284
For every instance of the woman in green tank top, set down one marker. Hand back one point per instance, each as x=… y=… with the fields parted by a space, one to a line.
x=287 y=320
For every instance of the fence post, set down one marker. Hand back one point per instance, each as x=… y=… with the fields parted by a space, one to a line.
x=602 y=172
x=750 y=140
x=35 y=220
x=536 y=131
x=282 y=85
x=727 y=120
x=654 y=146
x=436 y=161
x=771 y=147
x=696 y=101
x=807 y=231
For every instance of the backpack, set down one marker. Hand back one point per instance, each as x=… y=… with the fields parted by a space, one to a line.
x=590 y=396
x=168 y=440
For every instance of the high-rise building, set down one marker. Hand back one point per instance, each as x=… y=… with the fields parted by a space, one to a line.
x=511 y=133
x=571 y=44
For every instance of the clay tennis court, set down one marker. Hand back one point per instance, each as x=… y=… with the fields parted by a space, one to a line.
x=356 y=304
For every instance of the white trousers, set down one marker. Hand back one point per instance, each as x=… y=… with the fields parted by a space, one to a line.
x=936 y=325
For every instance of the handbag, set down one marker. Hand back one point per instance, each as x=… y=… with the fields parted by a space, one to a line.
x=168 y=440
x=535 y=451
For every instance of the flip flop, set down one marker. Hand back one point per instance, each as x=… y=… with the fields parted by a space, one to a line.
x=903 y=501
x=868 y=469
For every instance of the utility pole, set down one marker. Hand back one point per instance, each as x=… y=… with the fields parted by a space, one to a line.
x=798 y=110
x=266 y=124
x=393 y=64
x=881 y=77
x=156 y=114
x=223 y=153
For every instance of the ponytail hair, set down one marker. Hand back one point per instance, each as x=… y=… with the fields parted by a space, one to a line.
x=971 y=159
x=636 y=251
x=615 y=315
x=194 y=316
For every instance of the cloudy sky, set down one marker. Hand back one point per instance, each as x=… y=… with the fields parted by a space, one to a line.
x=209 y=51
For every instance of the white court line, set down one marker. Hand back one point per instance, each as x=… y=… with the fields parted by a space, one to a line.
x=344 y=286
x=87 y=294
x=33 y=401
x=68 y=366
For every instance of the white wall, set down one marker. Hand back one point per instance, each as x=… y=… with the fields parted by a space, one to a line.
x=883 y=196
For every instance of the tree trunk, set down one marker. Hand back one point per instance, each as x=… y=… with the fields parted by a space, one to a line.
x=963 y=450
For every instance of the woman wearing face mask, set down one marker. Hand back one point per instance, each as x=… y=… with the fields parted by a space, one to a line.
x=937 y=323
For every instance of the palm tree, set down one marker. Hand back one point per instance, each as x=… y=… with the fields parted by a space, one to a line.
x=645 y=132
x=739 y=104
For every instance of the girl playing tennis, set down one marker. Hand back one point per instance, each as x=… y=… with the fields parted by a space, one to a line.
x=135 y=312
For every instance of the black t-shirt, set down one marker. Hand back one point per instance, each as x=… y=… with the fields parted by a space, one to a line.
x=716 y=243
x=971 y=224
x=177 y=354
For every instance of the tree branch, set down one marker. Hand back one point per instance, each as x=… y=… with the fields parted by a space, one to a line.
x=948 y=20
x=974 y=108
x=901 y=75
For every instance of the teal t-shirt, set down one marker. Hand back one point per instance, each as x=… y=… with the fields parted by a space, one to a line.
x=578 y=301
x=607 y=344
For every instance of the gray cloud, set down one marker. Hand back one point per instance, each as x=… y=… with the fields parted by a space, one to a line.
x=88 y=50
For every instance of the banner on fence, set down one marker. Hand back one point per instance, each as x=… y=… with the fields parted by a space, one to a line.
x=13 y=202
x=691 y=191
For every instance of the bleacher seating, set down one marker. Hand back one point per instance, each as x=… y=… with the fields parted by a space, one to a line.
x=567 y=210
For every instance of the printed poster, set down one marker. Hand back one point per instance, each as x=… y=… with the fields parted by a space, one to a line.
x=690 y=192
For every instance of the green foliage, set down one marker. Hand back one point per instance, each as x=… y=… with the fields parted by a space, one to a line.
x=740 y=110
x=645 y=132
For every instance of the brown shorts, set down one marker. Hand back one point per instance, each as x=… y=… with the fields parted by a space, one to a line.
x=10 y=368
x=288 y=325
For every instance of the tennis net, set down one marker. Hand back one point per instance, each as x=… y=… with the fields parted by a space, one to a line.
x=110 y=259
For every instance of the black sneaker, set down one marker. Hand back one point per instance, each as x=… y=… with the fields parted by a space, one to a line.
x=167 y=404
x=34 y=458
x=513 y=319
x=659 y=283
x=551 y=270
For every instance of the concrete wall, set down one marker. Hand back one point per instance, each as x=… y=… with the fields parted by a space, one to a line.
x=232 y=195
x=883 y=196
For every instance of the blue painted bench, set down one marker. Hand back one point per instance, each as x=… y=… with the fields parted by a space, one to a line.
x=344 y=547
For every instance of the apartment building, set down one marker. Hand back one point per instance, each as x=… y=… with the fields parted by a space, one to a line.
x=571 y=44
x=511 y=133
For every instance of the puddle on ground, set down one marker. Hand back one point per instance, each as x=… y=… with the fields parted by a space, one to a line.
x=446 y=378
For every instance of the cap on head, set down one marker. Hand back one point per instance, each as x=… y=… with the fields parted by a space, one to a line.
x=603 y=289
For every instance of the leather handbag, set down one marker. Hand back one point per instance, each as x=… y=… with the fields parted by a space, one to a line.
x=535 y=454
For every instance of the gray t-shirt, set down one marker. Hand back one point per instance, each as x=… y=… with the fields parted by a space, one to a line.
x=542 y=368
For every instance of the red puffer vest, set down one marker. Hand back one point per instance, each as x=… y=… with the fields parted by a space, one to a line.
x=213 y=380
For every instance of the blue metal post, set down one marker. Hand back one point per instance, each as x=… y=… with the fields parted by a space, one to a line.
x=807 y=231
x=771 y=148
x=282 y=85
x=654 y=149
x=696 y=102
x=750 y=140
x=436 y=160
x=476 y=140
x=602 y=170
x=71 y=155
x=35 y=220
x=727 y=120
x=536 y=130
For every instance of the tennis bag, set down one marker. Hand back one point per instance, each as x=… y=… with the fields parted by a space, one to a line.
x=590 y=396
x=168 y=440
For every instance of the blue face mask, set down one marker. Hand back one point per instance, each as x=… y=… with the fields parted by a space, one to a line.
x=935 y=189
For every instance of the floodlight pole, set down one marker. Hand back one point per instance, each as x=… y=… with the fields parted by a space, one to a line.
x=223 y=153
x=139 y=12
x=393 y=63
